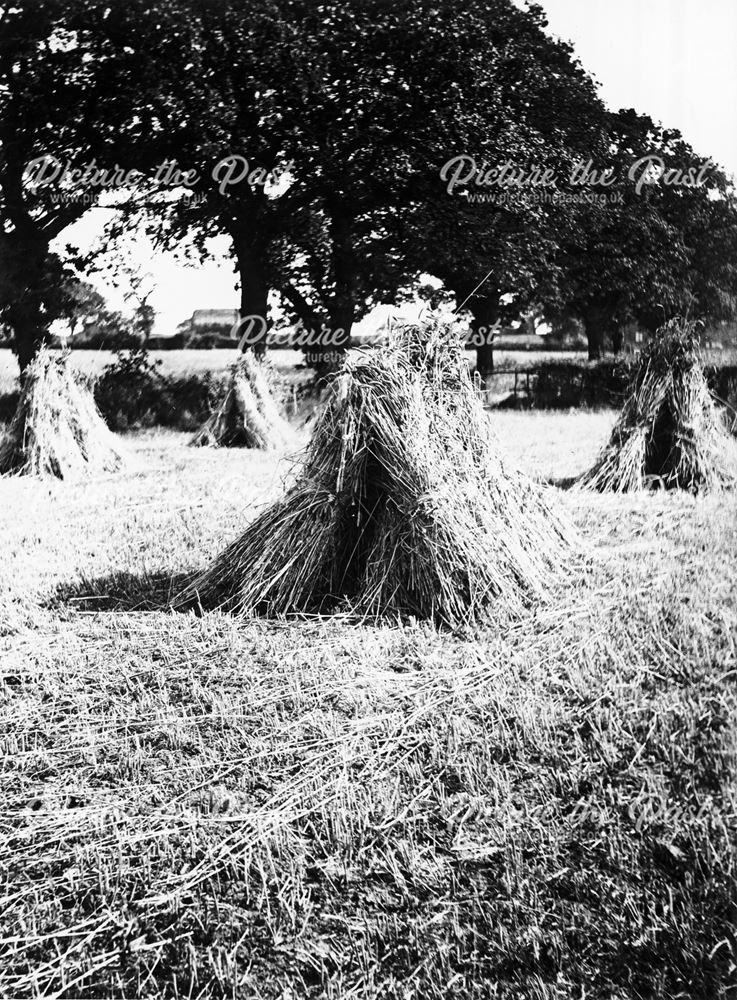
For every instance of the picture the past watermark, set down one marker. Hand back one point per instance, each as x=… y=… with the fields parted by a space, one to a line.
x=508 y=182
x=253 y=330
x=85 y=182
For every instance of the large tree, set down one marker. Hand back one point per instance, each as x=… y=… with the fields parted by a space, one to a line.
x=365 y=103
x=489 y=229
x=51 y=116
x=660 y=246
x=389 y=109
x=362 y=105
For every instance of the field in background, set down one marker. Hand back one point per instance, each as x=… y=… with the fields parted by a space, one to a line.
x=202 y=807
x=188 y=361
x=173 y=362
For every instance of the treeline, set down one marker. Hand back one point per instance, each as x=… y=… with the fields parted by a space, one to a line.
x=346 y=150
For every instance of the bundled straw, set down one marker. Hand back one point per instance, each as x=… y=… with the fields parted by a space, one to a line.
x=403 y=507
x=249 y=416
x=57 y=429
x=670 y=432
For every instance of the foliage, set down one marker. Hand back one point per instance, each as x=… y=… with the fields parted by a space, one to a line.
x=46 y=68
x=566 y=384
x=541 y=110
x=327 y=96
x=644 y=258
x=365 y=130
x=133 y=392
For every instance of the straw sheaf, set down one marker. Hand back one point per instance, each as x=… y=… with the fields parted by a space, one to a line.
x=57 y=429
x=404 y=506
x=670 y=433
x=249 y=416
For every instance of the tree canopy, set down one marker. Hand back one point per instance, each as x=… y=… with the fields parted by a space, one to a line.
x=345 y=150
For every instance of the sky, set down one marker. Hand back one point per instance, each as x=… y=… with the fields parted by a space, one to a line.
x=674 y=60
x=671 y=59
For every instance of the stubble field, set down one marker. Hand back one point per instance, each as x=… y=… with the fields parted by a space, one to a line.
x=207 y=807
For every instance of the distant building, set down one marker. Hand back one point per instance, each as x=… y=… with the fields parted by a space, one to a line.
x=207 y=318
x=208 y=327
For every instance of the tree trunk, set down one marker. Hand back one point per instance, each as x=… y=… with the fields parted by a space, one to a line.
x=484 y=313
x=617 y=338
x=342 y=312
x=597 y=323
x=254 y=295
x=485 y=362
x=304 y=311
x=342 y=308
x=22 y=284
x=594 y=339
x=29 y=331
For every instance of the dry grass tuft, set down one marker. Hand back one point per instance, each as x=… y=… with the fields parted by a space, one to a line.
x=249 y=416
x=670 y=433
x=57 y=430
x=404 y=506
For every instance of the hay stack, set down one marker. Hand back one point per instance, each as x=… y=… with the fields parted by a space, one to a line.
x=403 y=506
x=249 y=416
x=670 y=433
x=57 y=429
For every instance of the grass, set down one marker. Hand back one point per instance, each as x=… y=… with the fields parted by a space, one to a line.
x=199 y=807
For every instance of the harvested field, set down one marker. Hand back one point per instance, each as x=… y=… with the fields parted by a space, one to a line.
x=207 y=807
